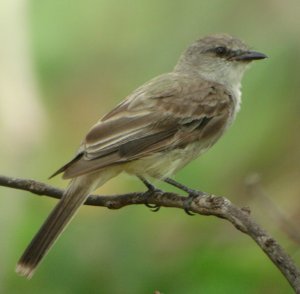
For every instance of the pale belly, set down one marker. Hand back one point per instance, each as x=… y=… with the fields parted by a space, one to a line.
x=165 y=164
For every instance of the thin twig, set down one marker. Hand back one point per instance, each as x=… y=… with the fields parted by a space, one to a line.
x=204 y=205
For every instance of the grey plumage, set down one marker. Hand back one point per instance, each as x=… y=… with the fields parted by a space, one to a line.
x=155 y=131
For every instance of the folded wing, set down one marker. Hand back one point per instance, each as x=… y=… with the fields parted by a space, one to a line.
x=168 y=112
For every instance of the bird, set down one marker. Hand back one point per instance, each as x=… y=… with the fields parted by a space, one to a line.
x=154 y=132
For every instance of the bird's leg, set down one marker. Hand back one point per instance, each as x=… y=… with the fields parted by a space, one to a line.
x=192 y=194
x=151 y=189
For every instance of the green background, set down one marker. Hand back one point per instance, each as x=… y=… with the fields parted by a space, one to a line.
x=87 y=56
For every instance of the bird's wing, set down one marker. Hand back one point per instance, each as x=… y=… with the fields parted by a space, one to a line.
x=168 y=112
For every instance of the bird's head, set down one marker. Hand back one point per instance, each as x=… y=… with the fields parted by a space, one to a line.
x=221 y=58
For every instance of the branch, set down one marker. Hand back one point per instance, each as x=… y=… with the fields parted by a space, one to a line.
x=203 y=205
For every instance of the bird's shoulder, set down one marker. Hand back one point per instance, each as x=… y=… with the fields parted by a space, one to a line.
x=182 y=93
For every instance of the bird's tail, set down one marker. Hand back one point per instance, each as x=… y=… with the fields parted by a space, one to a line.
x=62 y=214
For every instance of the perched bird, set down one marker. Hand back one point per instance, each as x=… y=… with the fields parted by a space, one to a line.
x=153 y=132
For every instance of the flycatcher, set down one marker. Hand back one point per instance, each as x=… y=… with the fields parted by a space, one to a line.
x=154 y=132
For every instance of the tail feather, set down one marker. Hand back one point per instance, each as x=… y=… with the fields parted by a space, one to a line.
x=54 y=225
x=75 y=195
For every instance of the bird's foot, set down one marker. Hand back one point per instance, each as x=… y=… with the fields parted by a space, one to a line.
x=151 y=190
x=153 y=207
x=193 y=194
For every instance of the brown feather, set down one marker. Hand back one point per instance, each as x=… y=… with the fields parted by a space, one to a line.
x=186 y=110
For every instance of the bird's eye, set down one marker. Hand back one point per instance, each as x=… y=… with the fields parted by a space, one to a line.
x=221 y=51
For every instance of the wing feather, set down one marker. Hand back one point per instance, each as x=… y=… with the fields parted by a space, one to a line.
x=168 y=112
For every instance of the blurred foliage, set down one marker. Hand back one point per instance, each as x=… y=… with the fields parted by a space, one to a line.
x=87 y=56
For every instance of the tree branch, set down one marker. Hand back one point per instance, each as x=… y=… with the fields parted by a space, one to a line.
x=203 y=205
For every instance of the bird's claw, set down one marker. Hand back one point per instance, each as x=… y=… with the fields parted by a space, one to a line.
x=189 y=199
x=153 y=207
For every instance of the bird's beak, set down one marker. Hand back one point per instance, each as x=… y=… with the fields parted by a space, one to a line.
x=248 y=56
